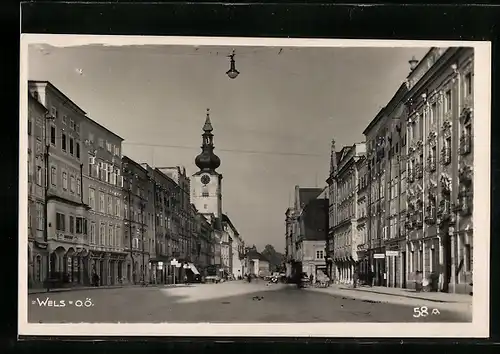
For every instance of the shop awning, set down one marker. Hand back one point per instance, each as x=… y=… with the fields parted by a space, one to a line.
x=193 y=268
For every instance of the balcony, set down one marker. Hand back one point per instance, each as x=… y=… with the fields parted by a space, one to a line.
x=465 y=145
x=430 y=217
x=446 y=155
x=444 y=210
x=418 y=222
x=411 y=175
x=419 y=171
x=431 y=164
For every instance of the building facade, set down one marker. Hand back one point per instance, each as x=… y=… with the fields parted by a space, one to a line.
x=236 y=249
x=37 y=141
x=102 y=191
x=59 y=153
x=332 y=211
x=309 y=231
x=375 y=135
x=362 y=195
x=345 y=231
x=138 y=233
x=440 y=167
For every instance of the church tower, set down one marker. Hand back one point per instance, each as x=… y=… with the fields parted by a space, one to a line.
x=206 y=184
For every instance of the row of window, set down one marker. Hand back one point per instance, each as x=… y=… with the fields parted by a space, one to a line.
x=68 y=143
x=65 y=120
x=75 y=224
x=105 y=171
x=40 y=219
x=74 y=183
x=106 y=204
x=104 y=144
x=108 y=235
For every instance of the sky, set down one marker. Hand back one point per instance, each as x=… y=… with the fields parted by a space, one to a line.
x=273 y=124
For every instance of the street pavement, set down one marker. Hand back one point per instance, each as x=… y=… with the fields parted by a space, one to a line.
x=236 y=301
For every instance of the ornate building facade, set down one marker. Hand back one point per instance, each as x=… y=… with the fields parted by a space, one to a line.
x=362 y=217
x=440 y=167
x=346 y=237
x=138 y=232
x=102 y=191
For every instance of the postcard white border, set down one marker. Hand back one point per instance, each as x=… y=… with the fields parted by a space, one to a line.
x=479 y=327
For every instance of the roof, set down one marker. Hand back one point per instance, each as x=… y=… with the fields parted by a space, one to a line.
x=397 y=97
x=308 y=194
x=37 y=102
x=59 y=92
x=252 y=254
x=137 y=165
x=314 y=219
x=226 y=219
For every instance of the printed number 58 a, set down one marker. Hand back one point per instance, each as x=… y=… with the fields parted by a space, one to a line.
x=420 y=311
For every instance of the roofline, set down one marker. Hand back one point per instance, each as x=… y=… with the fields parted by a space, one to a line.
x=38 y=103
x=59 y=92
x=103 y=127
x=137 y=164
x=419 y=64
x=447 y=55
x=164 y=175
x=231 y=224
x=381 y=114
x=52 y=86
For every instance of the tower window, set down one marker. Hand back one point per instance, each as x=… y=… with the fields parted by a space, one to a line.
x=204 y=194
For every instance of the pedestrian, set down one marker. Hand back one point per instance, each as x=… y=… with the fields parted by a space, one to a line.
x=185 y=279
x=311 y=279
x=355 y=279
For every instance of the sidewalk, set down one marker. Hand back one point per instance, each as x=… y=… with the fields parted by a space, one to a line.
x=412 y=294
x=444 y=301
x=104 y=287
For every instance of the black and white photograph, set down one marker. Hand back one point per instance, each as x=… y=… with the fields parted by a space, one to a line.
x=244 y=186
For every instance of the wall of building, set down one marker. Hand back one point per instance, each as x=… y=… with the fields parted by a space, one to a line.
x=37 y=256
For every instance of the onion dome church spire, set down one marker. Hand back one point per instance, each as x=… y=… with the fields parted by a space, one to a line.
x=207 y=160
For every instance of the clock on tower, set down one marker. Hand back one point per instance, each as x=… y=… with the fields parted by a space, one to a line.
x=205 y=179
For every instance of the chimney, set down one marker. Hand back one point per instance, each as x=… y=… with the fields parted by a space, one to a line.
x=413 y=63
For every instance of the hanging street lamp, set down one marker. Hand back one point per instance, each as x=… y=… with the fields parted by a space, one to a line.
x=232 y=73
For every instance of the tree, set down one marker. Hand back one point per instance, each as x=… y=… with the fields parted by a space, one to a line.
x=275 y=258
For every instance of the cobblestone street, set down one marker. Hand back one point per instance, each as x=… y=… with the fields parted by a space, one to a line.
x=227 y=302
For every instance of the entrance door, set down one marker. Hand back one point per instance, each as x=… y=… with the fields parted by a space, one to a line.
x=403 y=270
